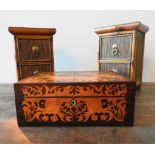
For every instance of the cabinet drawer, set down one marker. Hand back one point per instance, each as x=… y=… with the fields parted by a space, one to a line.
x=116 y=47
x=29 y=70
x=34 y=49
x=122 y=68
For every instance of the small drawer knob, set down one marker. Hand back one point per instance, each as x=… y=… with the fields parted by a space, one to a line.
x=115 y=49
x=114 y=69
x=35 y=72
x=35 y=51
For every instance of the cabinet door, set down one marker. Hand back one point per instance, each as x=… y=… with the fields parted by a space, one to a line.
x=116 y=47
x=122 y=68
x=34 y=49
x=32 y=69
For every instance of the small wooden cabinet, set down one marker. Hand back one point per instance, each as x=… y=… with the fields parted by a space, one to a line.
x=121 y=49
x=34 y=50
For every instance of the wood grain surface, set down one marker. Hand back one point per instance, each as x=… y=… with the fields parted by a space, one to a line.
x=142 y=132
x=74 y=77
x=123 y=27
x=121 y=49
x=33 y=47
x=75 y=98
x=31 y=31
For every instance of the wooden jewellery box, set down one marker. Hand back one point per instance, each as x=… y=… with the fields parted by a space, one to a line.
x=75 y=99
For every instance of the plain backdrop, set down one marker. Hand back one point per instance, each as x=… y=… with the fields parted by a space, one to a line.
x=75 y=43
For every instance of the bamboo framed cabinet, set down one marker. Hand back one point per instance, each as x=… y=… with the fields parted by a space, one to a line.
x=34 y=50
x=121 y=49
x=75 y=99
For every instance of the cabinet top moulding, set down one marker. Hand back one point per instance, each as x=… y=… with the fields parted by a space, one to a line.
x=31 y=31
x=123 y=27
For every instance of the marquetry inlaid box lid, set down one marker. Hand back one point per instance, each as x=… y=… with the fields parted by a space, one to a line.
x=74 y=77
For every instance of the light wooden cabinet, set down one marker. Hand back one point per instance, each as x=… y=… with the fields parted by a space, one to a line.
x=121 y=49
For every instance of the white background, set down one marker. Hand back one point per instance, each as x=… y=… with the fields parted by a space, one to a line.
x=75 y=43
x=80 y=4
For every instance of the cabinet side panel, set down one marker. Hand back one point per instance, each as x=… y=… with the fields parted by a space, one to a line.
x=52 y=54
x=17 y=59
x=139 y=50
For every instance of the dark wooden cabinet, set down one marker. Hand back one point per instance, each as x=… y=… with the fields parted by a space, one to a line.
x=121 y=49
x=34 y=50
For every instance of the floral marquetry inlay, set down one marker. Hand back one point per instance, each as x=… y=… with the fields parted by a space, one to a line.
x=75 y=98
x=75 y=90
x=62 y=110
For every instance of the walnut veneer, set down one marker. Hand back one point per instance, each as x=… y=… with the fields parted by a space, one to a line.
x=34 y=50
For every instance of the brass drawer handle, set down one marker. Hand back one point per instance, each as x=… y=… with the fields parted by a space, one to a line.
x=73 y=103
x=35 y=72
x=115 y=49
x=35 y=51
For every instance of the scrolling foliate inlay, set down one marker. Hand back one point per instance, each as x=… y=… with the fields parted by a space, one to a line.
x=75 y=90
x=52 y=111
